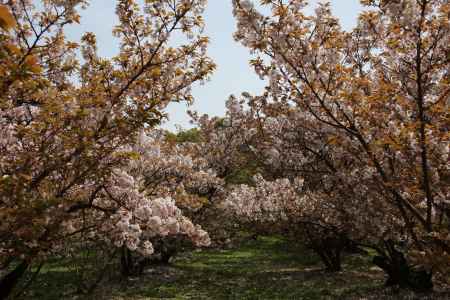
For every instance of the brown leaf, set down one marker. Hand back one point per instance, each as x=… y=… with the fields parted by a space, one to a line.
x=7 y=20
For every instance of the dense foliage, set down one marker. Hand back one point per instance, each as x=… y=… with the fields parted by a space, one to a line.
x=69 y=125
x=362 y=118
x=346 y=148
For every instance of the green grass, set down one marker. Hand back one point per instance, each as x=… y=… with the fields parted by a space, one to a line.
x=268 y=268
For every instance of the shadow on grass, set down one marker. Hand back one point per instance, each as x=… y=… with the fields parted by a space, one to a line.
x=266 y=268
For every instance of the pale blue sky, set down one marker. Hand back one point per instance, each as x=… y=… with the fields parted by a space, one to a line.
x=233 y=74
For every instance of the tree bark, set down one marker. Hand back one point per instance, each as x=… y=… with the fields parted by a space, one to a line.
x=126 y=262
x=10 y=280
x=399 y=271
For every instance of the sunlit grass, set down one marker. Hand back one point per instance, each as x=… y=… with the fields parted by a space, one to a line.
x=266 y=268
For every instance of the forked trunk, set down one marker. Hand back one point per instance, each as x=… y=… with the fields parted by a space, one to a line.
x=400 y=272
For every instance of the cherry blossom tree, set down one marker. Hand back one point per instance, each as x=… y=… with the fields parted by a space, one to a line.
x=377 y=98
x=166 y=169
x=224 y=141
x=322 y=213
x=67 y=124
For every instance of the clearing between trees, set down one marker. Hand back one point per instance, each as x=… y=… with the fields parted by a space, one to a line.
x=265 y=268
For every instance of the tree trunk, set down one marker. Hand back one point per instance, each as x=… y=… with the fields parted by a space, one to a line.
x=167 y=251
x=126 y=262
x=331 y=259
x=10 y=280
x=400 y=273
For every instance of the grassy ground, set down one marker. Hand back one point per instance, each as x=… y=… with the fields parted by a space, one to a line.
x=268 y=268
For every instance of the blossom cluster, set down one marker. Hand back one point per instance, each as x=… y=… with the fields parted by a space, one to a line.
x=69 y=120
x=359 y=115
